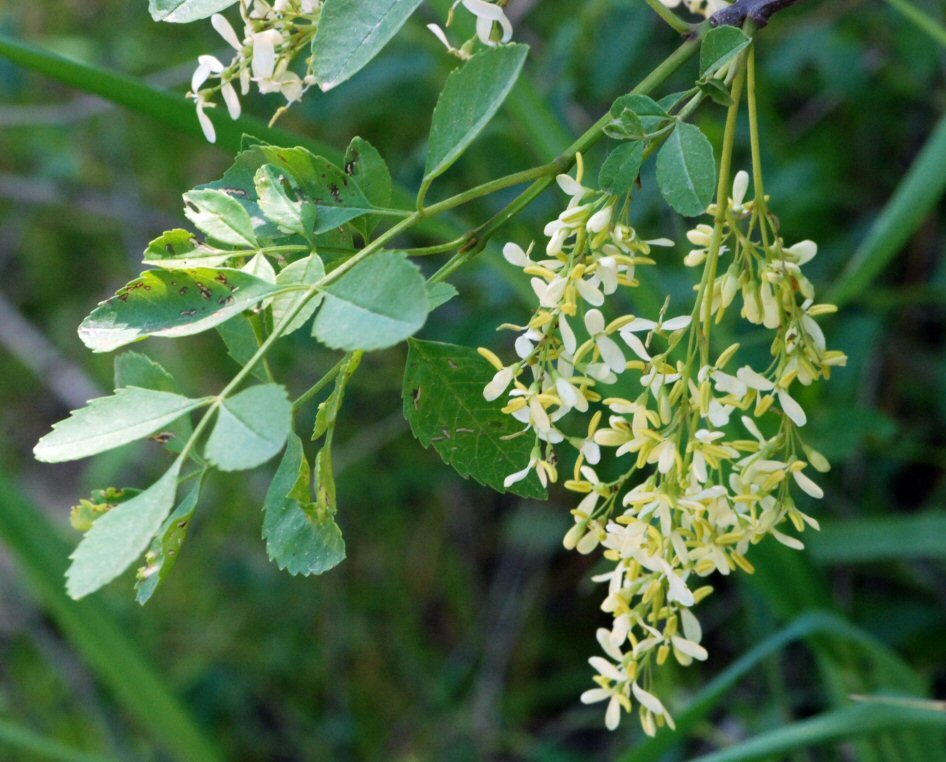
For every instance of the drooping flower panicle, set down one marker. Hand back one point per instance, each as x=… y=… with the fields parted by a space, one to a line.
x=709 y=448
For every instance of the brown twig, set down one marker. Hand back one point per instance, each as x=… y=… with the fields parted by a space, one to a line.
x=757 y=11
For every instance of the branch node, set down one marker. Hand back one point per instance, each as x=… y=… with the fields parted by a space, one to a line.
x=757 y=11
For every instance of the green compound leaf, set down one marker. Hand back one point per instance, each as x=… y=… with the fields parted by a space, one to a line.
x=119 y=537
x=472 y=95
x=619 y=171
x=377 y=304
x=299 y=538
x=108 y=422
x=171 y=303
x=720 y=46
x=180 y=249
x=282 y=201
x=365 y=165
x=303 y=272
x=165 y=547
x=136 y=369
x=352 y=33
x=251 y=428
x=222 y=218
x=686 y=170
x=184 y=11
x=444 y=404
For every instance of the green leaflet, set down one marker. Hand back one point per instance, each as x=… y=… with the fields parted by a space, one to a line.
x=180 y=249
x=171 y=303
x=88 y=510
x=299 y=538
x=369 y=170
x=109 y=422
x=334 y=196
x=619 y=171
x=649 y=116
x=184 y=11
x=470 y=98
x=282 y=201
x=378 y=303
x=220 y=217
x=241 y=341
x=444 y=404
x=120 y=536
x=686 y=170
x=720 y=46
x=439 y=294
x=306 y=271
x=328 y=410
x=352 y=33
x=251 y=428
x=162 y=555
x=136 y=369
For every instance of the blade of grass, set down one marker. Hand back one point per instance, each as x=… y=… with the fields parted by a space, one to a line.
x=806 y=626
x=917 y=194
x=15 y=736
x=175 y=111
x=161 y=105
x=41 y=556
x=837 y=725
x=894 y=538
x=920 y=19
x=791 y=586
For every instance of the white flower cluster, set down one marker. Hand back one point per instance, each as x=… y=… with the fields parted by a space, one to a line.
x=706 y=456
x=700 y=7
x=492 y=25
x=274 y=33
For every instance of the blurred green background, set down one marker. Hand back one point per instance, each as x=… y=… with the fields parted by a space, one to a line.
x=458 y=629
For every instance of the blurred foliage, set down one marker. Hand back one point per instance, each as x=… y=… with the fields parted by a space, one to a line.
x=457 y=629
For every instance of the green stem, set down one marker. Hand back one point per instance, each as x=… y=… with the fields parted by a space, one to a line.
x=517 y=178
x=440 y=248
x=705 y=297
x=754 y=142
x=673 y=20
x=478 y=238
x=319 y=385
x=474 y=241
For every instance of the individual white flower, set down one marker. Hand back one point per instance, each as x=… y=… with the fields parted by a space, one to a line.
x=801 y=253
x=606 y=269
x=231 y=99
x=514 y=255
x=264 y=53
x=740 y=185
x=225 y=30
x=205 y=124
x=791 y=407
x=488 y=14
x=568 y=336
x=807 y=484
x=499 y=383
x=206 y=65
x=610 y=352
x=600 y=220
x=549 y=293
